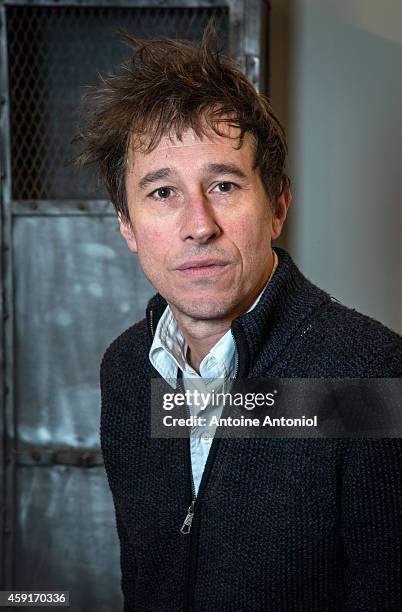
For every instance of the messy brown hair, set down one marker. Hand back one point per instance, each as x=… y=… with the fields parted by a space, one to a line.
x=164 y=88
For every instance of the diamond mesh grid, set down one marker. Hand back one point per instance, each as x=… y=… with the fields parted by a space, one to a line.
x=54 y=52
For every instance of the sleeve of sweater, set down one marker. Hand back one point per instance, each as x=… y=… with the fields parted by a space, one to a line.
x=372 y=524
x=127 y=564
x=112 y=408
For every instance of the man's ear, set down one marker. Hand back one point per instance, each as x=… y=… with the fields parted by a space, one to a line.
x=128 y=233
x=279 y=215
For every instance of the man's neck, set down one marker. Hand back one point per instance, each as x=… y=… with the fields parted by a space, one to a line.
x=200 y=340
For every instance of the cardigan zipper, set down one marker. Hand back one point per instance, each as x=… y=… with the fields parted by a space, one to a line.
x=186 y=526
x=191 y=523
x=151 y=322
x=188 y=520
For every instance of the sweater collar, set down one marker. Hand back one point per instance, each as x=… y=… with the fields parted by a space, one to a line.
x=262 y=334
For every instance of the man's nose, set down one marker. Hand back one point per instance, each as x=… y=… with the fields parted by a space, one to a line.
x=199 y=221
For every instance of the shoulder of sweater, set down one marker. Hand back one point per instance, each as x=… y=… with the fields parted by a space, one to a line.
x=130 y=347
x=349 y=332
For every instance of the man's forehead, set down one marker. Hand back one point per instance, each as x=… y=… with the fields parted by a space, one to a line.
x=211 y=142
x=183 y=145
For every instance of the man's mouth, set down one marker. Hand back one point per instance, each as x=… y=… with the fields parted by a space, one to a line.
x=203 y=267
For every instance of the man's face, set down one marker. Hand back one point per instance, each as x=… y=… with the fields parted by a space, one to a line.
x=202 y=223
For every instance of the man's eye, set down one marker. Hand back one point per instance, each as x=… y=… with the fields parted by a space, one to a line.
x=224 y=187
x=163 y=193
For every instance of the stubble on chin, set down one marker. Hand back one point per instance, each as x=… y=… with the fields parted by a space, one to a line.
x=202 y=309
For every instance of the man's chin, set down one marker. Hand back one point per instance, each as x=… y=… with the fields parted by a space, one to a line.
x=203 y=310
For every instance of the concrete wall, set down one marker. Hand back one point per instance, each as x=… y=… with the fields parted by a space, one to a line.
x=336 y=80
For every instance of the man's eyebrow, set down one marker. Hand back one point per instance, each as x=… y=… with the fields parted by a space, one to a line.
x=217 y=168
x=152 y=177
x=225 y=169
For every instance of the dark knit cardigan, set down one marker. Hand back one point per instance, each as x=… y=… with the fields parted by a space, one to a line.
x=279 y=524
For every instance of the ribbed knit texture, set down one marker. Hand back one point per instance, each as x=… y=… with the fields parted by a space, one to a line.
x=284 y=524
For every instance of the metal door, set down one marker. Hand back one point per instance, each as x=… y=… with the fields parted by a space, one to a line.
x=70 y=286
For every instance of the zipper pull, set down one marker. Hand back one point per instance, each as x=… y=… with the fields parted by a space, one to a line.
x=185 y=528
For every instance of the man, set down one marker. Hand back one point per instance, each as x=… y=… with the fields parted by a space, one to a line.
x=194 y=160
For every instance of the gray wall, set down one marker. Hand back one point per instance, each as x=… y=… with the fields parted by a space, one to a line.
x=336 y=80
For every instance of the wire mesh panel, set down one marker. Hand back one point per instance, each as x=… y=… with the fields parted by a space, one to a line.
x=54 y=52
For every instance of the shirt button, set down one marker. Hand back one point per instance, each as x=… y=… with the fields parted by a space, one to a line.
x=206 y=436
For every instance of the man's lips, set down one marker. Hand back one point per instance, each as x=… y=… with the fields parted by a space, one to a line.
x=203 y=267
x=201 y=263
